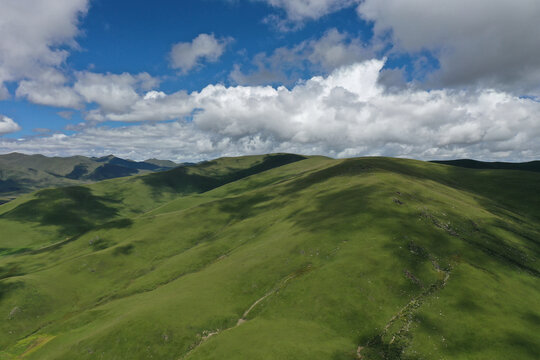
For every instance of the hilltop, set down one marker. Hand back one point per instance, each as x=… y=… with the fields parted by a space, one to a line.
x=475 y=164
x=274 y=257
x=20 y=173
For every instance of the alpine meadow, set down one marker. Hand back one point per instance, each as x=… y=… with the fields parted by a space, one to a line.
x=276 y=257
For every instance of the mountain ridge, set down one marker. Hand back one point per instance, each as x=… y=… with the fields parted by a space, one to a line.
x=495 y=165
x=276 y=256
x=21 y=173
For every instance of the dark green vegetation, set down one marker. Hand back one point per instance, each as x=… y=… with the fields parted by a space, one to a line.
x=474 y=164
x=276 y=257
x=21 y=173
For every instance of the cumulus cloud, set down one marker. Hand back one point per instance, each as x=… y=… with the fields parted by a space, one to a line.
x=153 y=106
x=49 y=88
x=188 y=55
x=489 y=43
x=347 y=113
x=112 y=92
x=330 y=51
x=34 y=38
x=297 y=11
x=7 y=125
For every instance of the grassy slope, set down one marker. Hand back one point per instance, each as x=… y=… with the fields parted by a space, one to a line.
x=474 y=164
x=56 y=165
x=21 y=173
x=15 y=180
x=318 y=259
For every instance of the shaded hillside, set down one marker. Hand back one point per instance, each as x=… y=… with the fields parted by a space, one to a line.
x=161 y=163
x=21 y=173
x=276 y=257
x=474 y=164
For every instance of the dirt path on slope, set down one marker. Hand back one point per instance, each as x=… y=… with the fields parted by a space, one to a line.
x=406 y=313
x=208 y=334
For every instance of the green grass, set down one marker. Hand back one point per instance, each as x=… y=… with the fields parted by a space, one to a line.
x=20 y=174
x=320 y=258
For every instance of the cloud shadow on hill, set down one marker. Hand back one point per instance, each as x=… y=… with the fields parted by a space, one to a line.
x=74 y=210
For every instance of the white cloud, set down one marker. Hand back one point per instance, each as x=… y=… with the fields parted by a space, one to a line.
x=153 y=106
x=298 y=10
x=152 y=95
x=188 y=55
x=335 y=49
x=112 y=92
x=49 y=88
x=330 y=51
x=489 y=43
x=7 y=125
x=34 y=35
x=347 y=113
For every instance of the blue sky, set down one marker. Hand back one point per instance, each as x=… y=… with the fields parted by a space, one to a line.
x=191 y=80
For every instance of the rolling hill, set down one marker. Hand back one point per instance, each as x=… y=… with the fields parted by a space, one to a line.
x=475 y=164
x=20 y=173
x=277 y=256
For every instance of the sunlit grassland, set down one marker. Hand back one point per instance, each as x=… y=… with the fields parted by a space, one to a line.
x=331 y=259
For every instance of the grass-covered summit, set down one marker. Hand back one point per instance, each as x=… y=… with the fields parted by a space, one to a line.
x=276 y=257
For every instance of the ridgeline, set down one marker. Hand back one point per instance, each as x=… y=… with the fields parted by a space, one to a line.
x=276 y=257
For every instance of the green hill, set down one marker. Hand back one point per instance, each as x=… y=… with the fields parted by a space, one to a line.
x=276 y=257
x=21 y=173
x=474 y=164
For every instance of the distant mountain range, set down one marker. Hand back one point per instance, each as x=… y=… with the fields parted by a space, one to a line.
x=20 y=173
